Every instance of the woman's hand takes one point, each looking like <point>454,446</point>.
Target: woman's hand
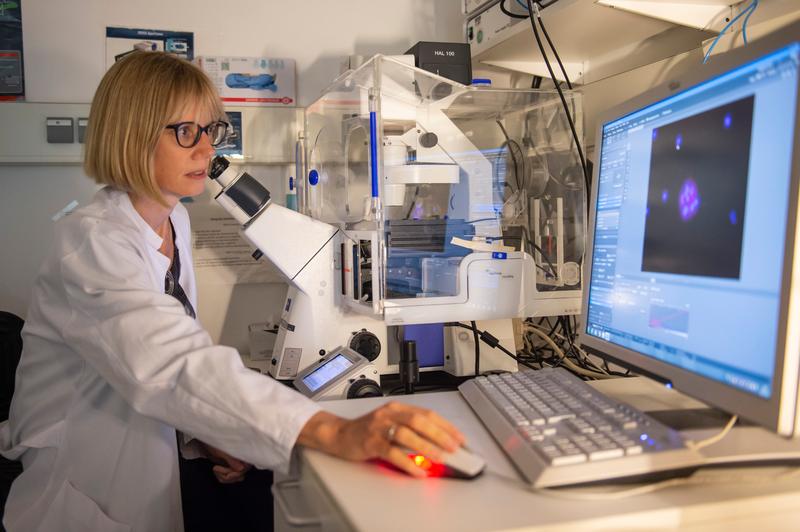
<point>388,432</point>
<point>228,469</point>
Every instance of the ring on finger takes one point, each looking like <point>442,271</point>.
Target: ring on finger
<point>391,431</point>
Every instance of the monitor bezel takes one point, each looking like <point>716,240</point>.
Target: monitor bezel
<point>779,412</point>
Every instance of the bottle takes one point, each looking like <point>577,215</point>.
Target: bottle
<point>291,195</point>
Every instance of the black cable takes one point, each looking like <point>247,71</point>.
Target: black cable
<point>413,202</point>
<point>563,99</point>
<point>491,341</point>
<point>477,348</point>
<point>555,53</point>
<point>511,144</point>
<point>546,259</point>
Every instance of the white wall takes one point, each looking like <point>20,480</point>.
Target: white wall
<point>64,48</point>
<point>64,41</point>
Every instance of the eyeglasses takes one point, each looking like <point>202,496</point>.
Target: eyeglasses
<point>188,133</point>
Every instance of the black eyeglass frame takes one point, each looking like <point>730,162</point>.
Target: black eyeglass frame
<point>200,131</point>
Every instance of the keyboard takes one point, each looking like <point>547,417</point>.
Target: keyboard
<point>558,430</point>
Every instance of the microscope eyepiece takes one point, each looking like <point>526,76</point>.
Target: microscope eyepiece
<point>218,165</point>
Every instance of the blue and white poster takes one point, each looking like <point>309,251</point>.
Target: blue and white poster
<point>232,147</point>
<point>123,41</point>
<point>12,81</point>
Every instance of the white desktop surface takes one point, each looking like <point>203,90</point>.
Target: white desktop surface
<point>374,497</point>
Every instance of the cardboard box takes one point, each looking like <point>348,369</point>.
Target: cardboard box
<point>252,81</point>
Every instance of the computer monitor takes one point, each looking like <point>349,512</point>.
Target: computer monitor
<point>693,275</point>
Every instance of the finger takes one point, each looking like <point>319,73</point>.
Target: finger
<point>400,459</point>
<point>227,476</point>
<point>235,464</point>
<point>405,437</point>
<point>433,427</point>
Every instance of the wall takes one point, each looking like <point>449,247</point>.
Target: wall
<point>64,47</point>
<point>65,41</point>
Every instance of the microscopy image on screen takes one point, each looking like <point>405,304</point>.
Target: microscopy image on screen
<point>696,193</point>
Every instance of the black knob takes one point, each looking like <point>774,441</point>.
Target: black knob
<point>364,388</point>
<point>366,344</point>
<point>428,140</point>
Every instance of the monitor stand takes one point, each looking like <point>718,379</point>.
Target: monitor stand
<point>745,444</point>
<point>682,419</point>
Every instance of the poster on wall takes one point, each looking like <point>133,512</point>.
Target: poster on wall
<point>123,41</point>
<point>232,147</point>
<point>12,80</point>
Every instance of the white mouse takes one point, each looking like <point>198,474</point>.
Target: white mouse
<point>462,463</point>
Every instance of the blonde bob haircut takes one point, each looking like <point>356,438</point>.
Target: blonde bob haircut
<point>137,98</point>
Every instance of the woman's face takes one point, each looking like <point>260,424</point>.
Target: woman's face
<point>181,172</point>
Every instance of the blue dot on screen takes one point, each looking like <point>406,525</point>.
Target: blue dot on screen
<point>727,121</point>
<point>732,217</point>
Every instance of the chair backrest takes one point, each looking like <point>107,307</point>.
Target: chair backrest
<point>10,351</point>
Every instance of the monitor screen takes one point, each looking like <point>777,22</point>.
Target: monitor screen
<point>691,204</point>
<point>326,372</point>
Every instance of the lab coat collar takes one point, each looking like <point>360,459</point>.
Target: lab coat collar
<point>124,201</point>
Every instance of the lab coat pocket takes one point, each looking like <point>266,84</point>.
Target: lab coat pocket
<point>72,511</point>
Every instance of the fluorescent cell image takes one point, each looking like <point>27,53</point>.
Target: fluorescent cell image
<point>704,167</point>
<point>689,200</point>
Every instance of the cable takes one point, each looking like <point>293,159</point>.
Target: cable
<point>747,11</point>
<point>713,439</point>
<point>491,341</point>
<point>511,144</point>
<point>578,146</point>
<point>567,362</point>
<point>477,348</point>
<point>744,22</point>
<point>585,360</point>
<point>550,43</point>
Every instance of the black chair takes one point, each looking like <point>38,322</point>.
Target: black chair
<point>10,351</point>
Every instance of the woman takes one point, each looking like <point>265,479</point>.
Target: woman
<point>114,360</point>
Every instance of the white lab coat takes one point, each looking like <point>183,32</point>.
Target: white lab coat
<point>110,365</point>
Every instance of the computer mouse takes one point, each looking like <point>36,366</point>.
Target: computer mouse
<point>461,463</point>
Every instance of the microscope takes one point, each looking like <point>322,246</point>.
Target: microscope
<point>421,201</point>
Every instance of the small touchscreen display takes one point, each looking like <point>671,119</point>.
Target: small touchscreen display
<point>326,372</point>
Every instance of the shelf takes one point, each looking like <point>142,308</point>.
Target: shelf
<point>593,40</point>
<point>597,39</point>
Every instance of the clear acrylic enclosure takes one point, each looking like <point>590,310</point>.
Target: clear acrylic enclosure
<point>421,172</point>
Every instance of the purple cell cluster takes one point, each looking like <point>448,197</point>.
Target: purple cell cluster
<point>689,200</point>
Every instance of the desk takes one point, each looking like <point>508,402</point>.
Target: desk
<point>368,497</point>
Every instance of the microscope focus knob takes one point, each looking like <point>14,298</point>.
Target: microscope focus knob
<point>366,344</point>
<point>364,388</point>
